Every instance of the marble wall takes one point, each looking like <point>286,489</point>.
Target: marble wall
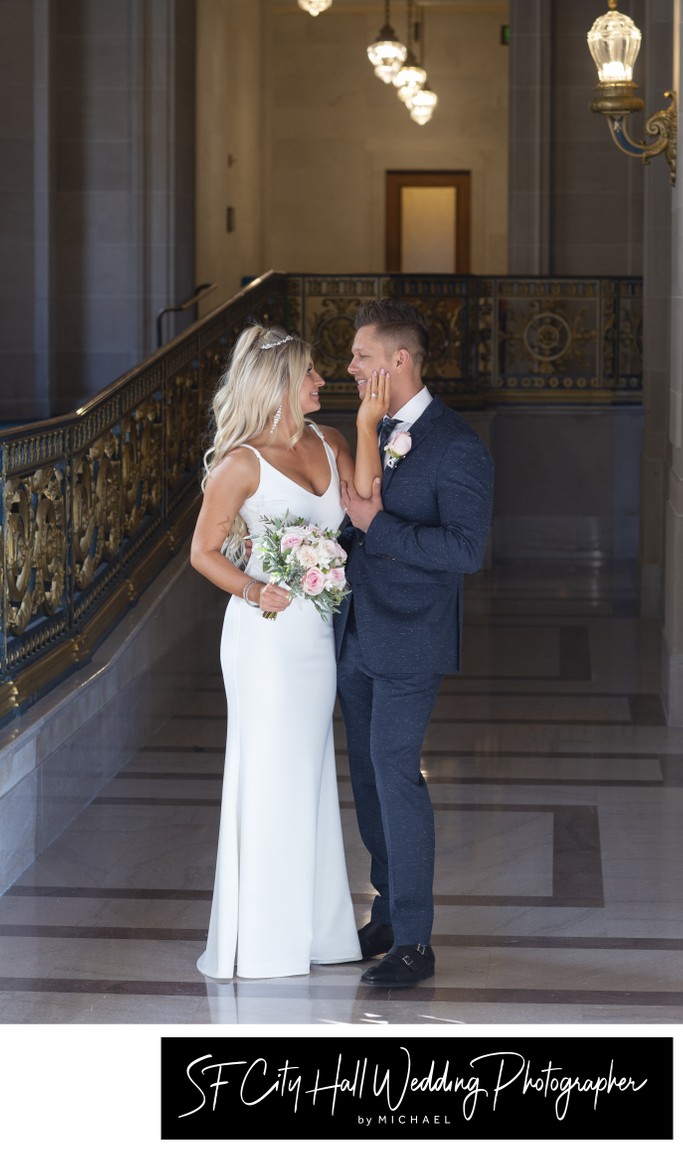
<point>57,757</point>
<point>232,151</point>
<point>566,484</point>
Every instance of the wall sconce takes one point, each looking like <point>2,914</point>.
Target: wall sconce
<point>614,43</point>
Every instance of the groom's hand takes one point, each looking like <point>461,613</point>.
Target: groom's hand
<point>361,511</point>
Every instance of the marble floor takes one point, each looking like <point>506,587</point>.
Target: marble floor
<point>558,792</point>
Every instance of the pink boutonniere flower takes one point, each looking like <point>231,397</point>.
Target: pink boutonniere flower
<point>398,446</point>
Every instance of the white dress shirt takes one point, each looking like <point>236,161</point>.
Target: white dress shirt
<point>410,412</point>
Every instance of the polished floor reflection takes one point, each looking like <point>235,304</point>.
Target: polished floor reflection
<point>558,792</point>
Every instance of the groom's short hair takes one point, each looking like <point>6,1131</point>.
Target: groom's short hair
<point>400,322</point>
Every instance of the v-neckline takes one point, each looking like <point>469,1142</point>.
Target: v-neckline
<point>300,485</point>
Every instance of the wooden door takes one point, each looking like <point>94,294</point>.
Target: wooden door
<point>428,222</point>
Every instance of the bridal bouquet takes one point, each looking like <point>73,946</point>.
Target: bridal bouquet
<point>307,560</point>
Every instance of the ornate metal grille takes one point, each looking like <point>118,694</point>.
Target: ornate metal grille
<point>494,340</point>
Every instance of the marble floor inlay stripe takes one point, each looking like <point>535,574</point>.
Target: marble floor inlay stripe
<point>23,891</point>
<point>479,942</point>
<point>138,933</point>
<point>421,995</point>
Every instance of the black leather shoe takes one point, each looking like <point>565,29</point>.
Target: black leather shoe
<point>402,966</point>
<point>375,938</point>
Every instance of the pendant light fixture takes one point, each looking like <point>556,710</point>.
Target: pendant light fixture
<point>411,76</point>
<point>422,103</point>
<point>386,53</point>
<point>315,7</point>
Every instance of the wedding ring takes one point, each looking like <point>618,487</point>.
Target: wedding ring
<point>374,394</point>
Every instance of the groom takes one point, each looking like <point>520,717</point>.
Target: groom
<point>424,527</point>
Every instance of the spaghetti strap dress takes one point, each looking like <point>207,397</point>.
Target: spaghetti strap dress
<point>281,899</point>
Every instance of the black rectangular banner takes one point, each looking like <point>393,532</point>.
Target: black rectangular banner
<point>614,1089</point>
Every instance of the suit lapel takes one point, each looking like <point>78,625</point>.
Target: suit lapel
<point>418,431</point>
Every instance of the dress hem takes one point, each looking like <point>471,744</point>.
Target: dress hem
<point>282,973</point>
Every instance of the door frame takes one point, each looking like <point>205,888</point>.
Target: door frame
<point>460,180</point>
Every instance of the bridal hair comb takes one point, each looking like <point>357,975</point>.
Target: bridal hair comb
<point>276,342</point>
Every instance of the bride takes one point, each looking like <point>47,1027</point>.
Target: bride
<point>281,899</point>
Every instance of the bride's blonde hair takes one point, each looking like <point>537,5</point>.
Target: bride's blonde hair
<point>266,370</point>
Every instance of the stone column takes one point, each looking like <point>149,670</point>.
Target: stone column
<point>24,205</point>
<point>672,646</point>
<point>530,145</point>
<point>122,200</point>
<point>658,65</point>
<point>97,129</point>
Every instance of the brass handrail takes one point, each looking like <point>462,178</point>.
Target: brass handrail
<point>95,502</point>
<point>200,293</point>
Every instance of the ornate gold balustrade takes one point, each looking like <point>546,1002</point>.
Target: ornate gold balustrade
<point>95,502</point>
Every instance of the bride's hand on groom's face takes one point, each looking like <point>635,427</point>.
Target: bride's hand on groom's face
<point>361,511</point>
<point>375,402</point>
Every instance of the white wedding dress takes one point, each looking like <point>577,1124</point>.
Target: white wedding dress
<point>281,897</point>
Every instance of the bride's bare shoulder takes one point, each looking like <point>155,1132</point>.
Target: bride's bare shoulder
<point>240,464</point>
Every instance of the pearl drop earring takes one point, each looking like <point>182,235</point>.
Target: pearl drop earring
<point>276,420</point>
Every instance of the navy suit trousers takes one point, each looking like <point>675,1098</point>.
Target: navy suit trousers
<point>386,717</point>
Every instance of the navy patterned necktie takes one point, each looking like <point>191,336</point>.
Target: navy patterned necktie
<point>385,428</point>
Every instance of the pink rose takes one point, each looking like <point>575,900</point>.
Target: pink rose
<point>313,581</point>
<point>290,540</point>
<point>336,577</point>
<point>400,443</point>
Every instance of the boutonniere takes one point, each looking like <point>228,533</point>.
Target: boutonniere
<point>398,446</point>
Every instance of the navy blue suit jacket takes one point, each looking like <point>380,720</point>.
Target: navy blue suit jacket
<point>406,572</point>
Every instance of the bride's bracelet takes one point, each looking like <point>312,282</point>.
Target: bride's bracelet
<point>245,592</point>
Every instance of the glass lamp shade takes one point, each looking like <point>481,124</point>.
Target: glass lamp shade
<point>410,78</point>
<point>386,72</point>
<point>614,43</point>
<point>315,7</point>
<point>387,54</point>
<point>422,105</point>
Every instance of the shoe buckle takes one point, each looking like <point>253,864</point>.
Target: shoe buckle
<point>407,959</point>
<point>421,948</point>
